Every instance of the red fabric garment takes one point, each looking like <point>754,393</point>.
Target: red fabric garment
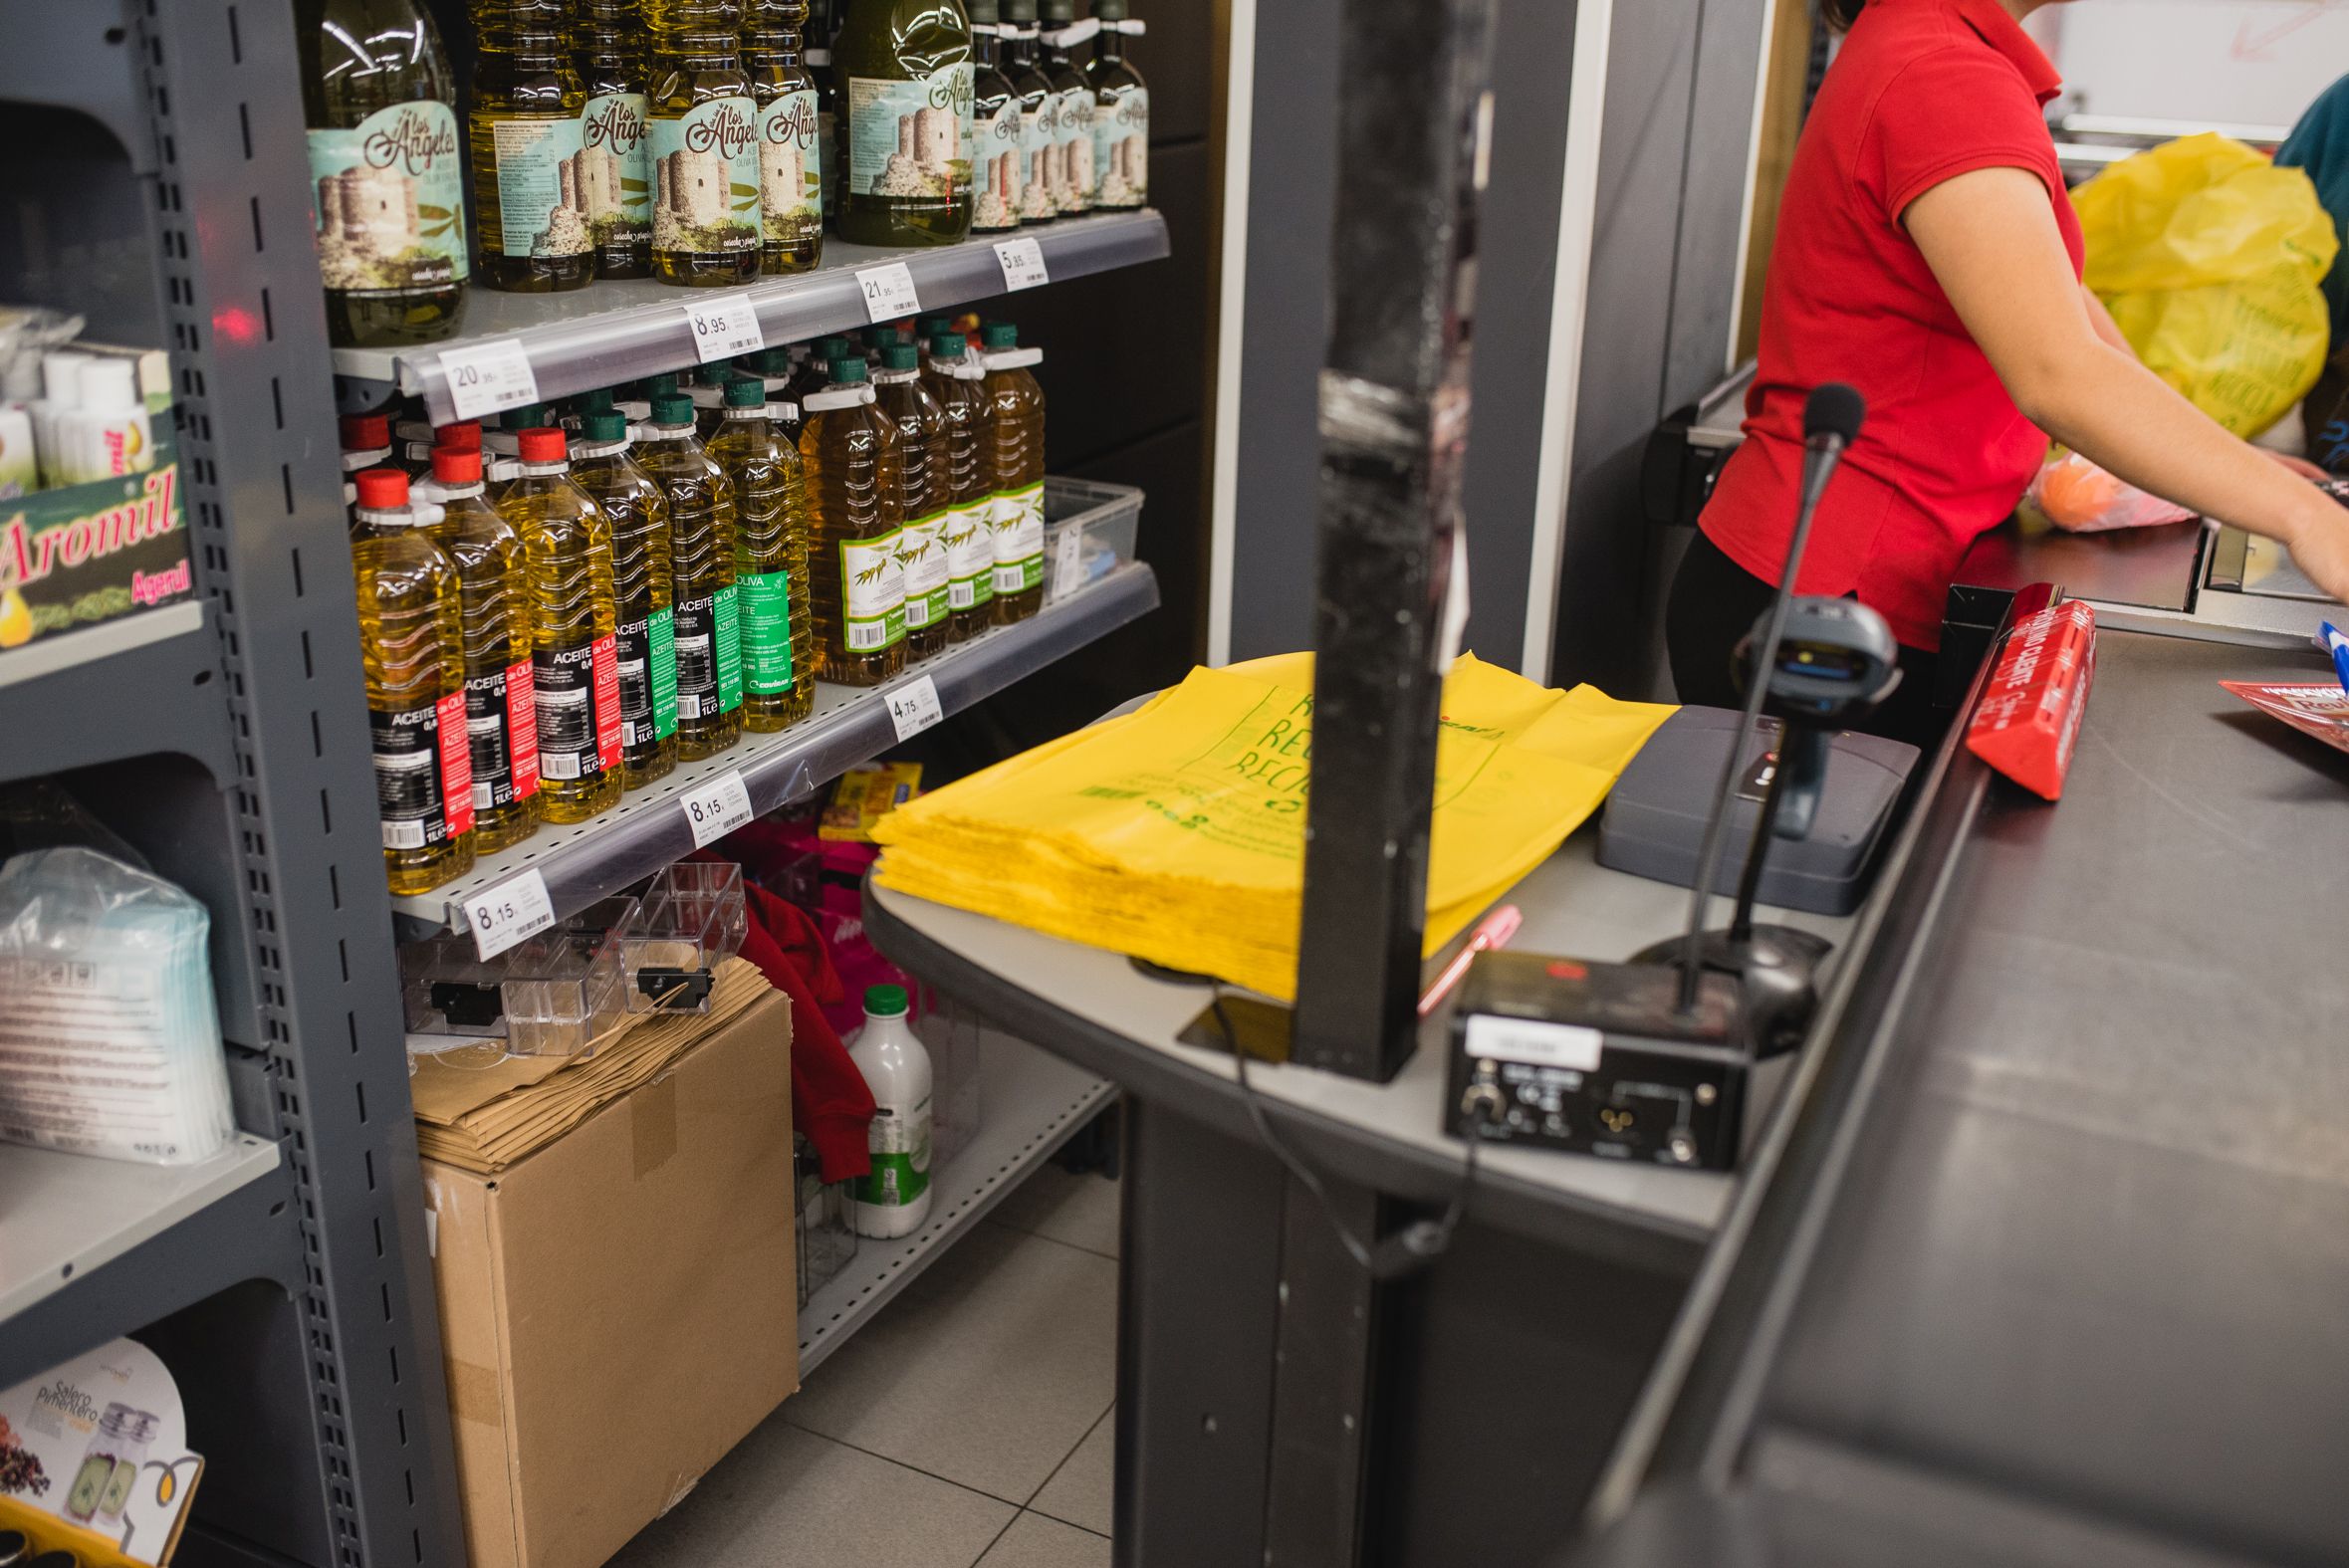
<point>1922,91</point>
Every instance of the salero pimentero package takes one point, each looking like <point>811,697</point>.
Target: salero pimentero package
<point>77,555</point>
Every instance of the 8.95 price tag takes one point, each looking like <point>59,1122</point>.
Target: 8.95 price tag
<point>516,909</point>
<point>725,326</point>
<point>489,378</point>
<point>914,707</point>
<point>716,807</point>
<point>888,292</point>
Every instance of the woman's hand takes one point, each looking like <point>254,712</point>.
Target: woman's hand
<point>2320,547</point>
<point>2294,465</point>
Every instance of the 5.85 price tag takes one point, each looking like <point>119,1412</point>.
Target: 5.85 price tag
<point>725,326</point>
<point>516,909</point>
<point>914,707</point>
<point>1022,263</point>
<point>489,378</point>
<point>888,292</point>
<point>716,807</point>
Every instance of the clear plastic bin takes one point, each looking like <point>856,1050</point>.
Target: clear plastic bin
<point>445,990</point>
<point>1104,520</point>
<point>827,1239</point>
<point>567,987</point>
<point>692,919</point>
<point>950,1033</point>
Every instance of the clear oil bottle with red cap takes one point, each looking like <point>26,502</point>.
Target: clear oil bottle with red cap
<point>411,646</point>
<point>493,592</point>
<point>575,658</point>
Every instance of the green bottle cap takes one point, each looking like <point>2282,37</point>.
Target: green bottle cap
<point>885,1001</point>
<point>826,350</point>
<point>948,346</point>
<point>931,323</point>
<point>1000,334</point>
<point>983,13</point>
<point>770,361</point>
<point>672,408</point>
<point>660,385</point>
<point>597,402</point>
<point>1057,10</point>
<point>902,356</point>
<point>850,367</point>
<point>535,417</point>
<point>1110,10</point>
<point>746,391</point>
<point>605,424</point>
<point>1019,10</point>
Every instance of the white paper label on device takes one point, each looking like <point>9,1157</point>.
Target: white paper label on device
<point>725,326</point>
<point>1069,563</point>
<point>914,707</point>
<point>716,807</point>
<point>514,909</point>
<point>1022,263</point>
<point>489,378</point>
<point>888,292</point>
<point>1530,1041</point>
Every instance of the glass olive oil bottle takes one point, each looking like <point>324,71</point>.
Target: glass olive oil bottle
<point>705,146</point>
<point>770,558</point>
<point>493,596</point>
<point>575,658</point>
<point>645,637</point>
<point>905,73</point>
<point>855,508</point>
<point>1040,112</point>
<point>1121,115</point>
<point>1072,150</point>
<point>998,131</point>
<point>1013,440</point>
<point>823,25</point>
<point>925,492</point>
<point>955,379</point>
<point>607,44</point>
<point>387,180</point>
<point>529,170</point>
<point>701,564</point>
<point>790,175</point>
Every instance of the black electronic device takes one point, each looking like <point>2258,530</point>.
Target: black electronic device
<point>1600,1059</point>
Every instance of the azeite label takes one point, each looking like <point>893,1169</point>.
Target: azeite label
<point>1001,157</point>
<point>766,630</point>
<point>423,776</point>
<point>617,170</point>
<point>791,169</point>
<point>1121,148</point>
<point>577,692</point>
<point>970,556</point>
<point>1019,539</point>
<point>500,722</point>
<point>647,656</point>
<point>906,138</point>
<point>921,556</point>
<point>709,657</point>
<point>705,177</point>
<point>542,203</point>
<point>1072,155</point>
<point>389,197</point>
<point>873,593</point>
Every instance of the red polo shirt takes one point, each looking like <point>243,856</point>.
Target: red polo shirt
<point>1922,91</point>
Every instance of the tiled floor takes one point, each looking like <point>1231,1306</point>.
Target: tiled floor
<point>967,1425</point>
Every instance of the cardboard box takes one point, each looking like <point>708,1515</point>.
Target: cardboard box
<point>616,1309</point>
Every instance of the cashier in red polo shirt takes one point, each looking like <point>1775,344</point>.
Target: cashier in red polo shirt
<point>1926,252</point>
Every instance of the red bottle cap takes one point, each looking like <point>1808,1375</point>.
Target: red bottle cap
<point>543,446</point>
<point>453,466</point>
<point>382,489</point>
<point>365,432</point>
<point>464,436</point>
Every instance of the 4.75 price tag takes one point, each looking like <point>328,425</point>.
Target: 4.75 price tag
<point>914,707</point>
<point>513,910</point>
<point>716,807</point>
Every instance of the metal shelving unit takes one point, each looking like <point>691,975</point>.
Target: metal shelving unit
<point>612,332</point>
<point>157,674</point>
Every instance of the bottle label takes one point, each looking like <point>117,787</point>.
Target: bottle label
<point>542,188</point>
<point>921,553</point>
<point>791,174</point>
<point>1072,170</point>
<point>616,136</point>
<point>1121,148</point>
<point>647,651</point>
<point>766,630</point>
<point>1019,539</point>
<point>424,778</point>
<point>899,1142</point>
<point>705,178</point>
<point>502,725</point>
<point>709,657</point>
<point>970,556</point>
<point>1001,157</point>
<point>1039,132</point>
<point>906,138</point>
<point>388,196</point>
<point>827,133</point>
<point>579,709</point>
<point>873,593</point>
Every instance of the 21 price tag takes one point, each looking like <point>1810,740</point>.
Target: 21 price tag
<point>489,378</point>
<point>1022,262</point>
<point>716,807</point>
<point>888,292</point>
<point>914,707</point>
<point>725,326</point>
<point>516,909</point>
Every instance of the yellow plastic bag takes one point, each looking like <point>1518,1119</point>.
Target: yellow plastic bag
<point>2208,257</point>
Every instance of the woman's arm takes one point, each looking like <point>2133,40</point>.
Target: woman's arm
<point>1992,241</point>
<point>2107,330</point>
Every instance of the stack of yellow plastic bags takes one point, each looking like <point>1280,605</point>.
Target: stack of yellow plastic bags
<point>1176,833</point>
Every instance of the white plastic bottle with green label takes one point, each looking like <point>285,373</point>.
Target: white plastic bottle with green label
<point>894,1199</point>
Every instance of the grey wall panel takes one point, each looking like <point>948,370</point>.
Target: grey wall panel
<point>1705,279</point>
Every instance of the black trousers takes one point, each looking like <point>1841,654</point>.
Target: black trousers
<point>1715,604</point>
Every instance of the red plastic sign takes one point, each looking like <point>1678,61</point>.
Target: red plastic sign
<point>2030,716</point>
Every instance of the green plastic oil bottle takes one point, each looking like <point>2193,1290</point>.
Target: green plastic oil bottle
<point>926,497</point>
<point>529,169</point>
<point>1121,113</point>
<point>790,175</point>
<point>701,561</point>
<point>955,378</point>
<point>412,646</point>
<point>855,511</point>
<point>574,657</point>
<point>705,146</point>
<point>1040,110</point>
<point>1013,441</point>
<point>998,131</point>
<point>904,67</point>
<point>769,559</point>
<point>1072,150</point>
<point>493,596</point>
<point>607,46</point>
<point>645,637</point>
<point>387,171</point>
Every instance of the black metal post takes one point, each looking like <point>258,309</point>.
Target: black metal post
<point>1415,120</point>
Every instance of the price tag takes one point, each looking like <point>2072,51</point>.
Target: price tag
<point>725,326</point>
<point>888,292</point>
<point>716,807</point>
<point>513,910</point>
<point>489,378</point>
<point>914,707</point>
<point>1069,563</point>
<point>1022,263</point>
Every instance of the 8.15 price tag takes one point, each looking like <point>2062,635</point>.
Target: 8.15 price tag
<point>888,292</point>
<point>716,807</point>
<point>725,326</point>
<point>489,378</point>
<point>516,909</point>
<point>914,707</point>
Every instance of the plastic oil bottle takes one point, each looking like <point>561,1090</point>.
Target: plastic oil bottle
<point>574,657</point>
<point>374,76</point>
<point>894,1199</point>
<point>1013,441</point>
<point>523,125</point>
<point>645,637</point>
<point>1040,110</point>
<point>854,510</point>
<point>791,174</point>
<point>1073,152</point>
<point>607,44</point>
<point>998,129</point>
<point>926,493</point>
<point>955,379</point>
<point>705,146</point>
<point>1121,112</point>
<point>493,592</point>
<point>701,564</point>
<point>412,646</point>
<point>770,558</point>
<point>904,67</point>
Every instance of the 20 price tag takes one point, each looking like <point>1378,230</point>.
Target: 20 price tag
<point>1069,563</point>
<point>514,909</point>
<point>914,707</point>
<point>888,292</point>
<point>489,378</point>
<point>716,807</point>
<point>1022,262</point>
<point>725,326</point>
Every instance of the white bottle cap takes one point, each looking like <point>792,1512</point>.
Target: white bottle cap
<point>21,382</point>
<point>61,378</point>
<point>110,386</point>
